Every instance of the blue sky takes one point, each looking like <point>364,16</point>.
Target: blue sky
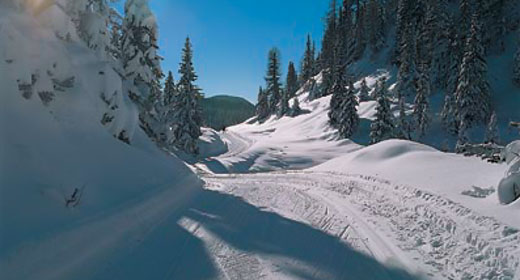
<point>231,38</point>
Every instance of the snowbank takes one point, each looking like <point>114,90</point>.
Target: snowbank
<point>509,187</point>
<point>55,148</point>
<point>418,165</point>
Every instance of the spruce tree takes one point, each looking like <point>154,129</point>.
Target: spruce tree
<point>407,76</point>
<point>262,107</point>
<point>516,65</point>
<point>338,92</point>
<point>382,127</point>
<point>328,44</point>
<point>364,91</point>
<point>291,82</point>
<point>348,118</point>
<point>307,68</point>
<point>492,134</point>
<point>345,27</point>
<point>168,113</point>
<point>273,86</point>
<point>421,104</point>
<point>360,36</point>
<point>403,127</point>
<point>473,91</point>
<point>284,103</point>
<point>448,114</point>
<point>187,119</point>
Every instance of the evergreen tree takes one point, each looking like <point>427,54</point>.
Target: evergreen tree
<point>262,107</point>
<point>328,45</point>
<point>402,22</point>
<point>407,76</point>
<point>364,91</point>
<point>375,25</point>
<point>187,119</point>
<point>359,32</point>
<point>492,134</point>
<point>403,127</point>
<point>473,91</point>
<point>516,65</point>
<point>448,114</point>
<point>348,118</point>
<point>345,39</point>
<point>141,63</point>
<point>382,127</point>
<point>462,138</point>
<point>284,103</point>
<point>291,83</point>
<point>307,69</point>
<point>273,86</point>
<point>422,104</point>
<point>167,115</point>
<point>338,92</point>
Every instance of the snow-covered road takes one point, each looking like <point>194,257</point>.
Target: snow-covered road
<point>364,227</point>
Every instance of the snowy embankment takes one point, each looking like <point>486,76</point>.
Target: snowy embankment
<point>72,195</point>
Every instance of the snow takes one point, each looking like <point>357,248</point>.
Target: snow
<point>509,187</point>
<point>49,151</point>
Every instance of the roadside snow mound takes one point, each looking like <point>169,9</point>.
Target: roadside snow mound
<point>418,165</point>
<point>509,187</point>
<point>64,177</point>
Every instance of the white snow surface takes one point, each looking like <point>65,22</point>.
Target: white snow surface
<point>49,151</point>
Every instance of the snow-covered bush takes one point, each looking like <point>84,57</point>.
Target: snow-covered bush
<point>509,187</point>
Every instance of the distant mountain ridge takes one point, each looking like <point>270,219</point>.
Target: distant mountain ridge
<point>223,110</point>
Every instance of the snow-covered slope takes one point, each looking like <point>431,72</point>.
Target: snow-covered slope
<point>71,193</point>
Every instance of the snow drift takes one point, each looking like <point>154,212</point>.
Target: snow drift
<point>509,187</point>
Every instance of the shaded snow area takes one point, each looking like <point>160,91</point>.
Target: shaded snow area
<point>73,198</point>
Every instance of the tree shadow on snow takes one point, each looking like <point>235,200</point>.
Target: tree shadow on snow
<point>304,251</point>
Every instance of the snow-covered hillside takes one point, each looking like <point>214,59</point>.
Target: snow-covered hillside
<point>72,194</point>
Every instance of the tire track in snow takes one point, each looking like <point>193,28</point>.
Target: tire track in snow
<point>420,230</point>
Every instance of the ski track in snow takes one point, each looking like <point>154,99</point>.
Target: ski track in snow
<point>400,225</point>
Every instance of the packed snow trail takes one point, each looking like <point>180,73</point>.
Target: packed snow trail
<point>399,225</point>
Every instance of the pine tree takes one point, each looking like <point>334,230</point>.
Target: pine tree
<point>348,118</point>
<point>167,115</point>
<point>291,83</point>
<point>462,138</point>
<point>364,91</point>
<point>284,103</point>
<point>338,92</point>
<point>328,44</point>
<point>473,91</point>
<point>407,76</point>
<point>345,27</point>
<point>421,104</point>
<point>273,86</point>
<point>516,65</point>
<point>448,114</point>
<point>382,127</point>
<point>307,68</point>
<point>492,134</point>
<point>403,127</point>
<point>187,119</point>
<point>402,22</point>
<point>360,38</point>
<point>141,63</point>
<point>262,107</point>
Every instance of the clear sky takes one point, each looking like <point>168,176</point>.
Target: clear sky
<point>231,38</point>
